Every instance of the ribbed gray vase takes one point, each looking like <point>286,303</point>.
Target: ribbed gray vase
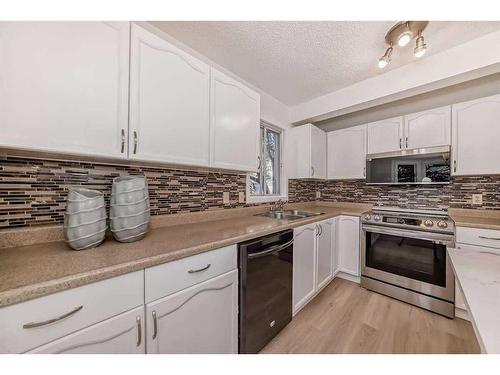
<point>129,208</point>
<point>85,218</point>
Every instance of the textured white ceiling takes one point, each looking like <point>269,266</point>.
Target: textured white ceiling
<point>299,61</point>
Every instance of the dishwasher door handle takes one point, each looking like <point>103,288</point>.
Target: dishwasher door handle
<point>272,249</point>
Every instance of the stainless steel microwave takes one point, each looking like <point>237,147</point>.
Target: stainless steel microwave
<point>411,167</point>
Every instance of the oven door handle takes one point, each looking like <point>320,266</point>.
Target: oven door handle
<point>428,236</point>
<point>272,249</point>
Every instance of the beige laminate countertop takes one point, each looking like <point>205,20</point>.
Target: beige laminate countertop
<point>483,219</point>
<point>31,271</point>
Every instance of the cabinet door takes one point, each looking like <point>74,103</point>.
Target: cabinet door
<point>122,334</point>
<point>298,152</point>
<point>318,152</point>
<point>385,135</point>
<point>64,87</point>
<point>169,102</point>
<point>348,244</point>
<point>428,128</point>
<point>196,320</point>
<point>235,124</point>
<point>475,137</point>
<point>347,153</point>
<point>325,258</point>
<point>304,265</point>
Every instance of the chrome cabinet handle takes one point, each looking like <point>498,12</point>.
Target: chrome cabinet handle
<point>364,171</point>
<point>200,269</point>
<point>400,143</point>
<point>454,165</point>
<point>155,325</point>
<point>490,238</point>
<point>317,230</point>
<point>50,321</point>
<point>406,142</point>
<point>321,230</point>
<point>123,141</point>
<point>135,142</point>
<point>312,169</point>
<point>260,163</point>
<point>139,330</point>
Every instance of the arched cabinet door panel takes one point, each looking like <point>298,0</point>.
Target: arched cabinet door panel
<point>347,244</point>
<point>325,261</point>
<point>428,128</point>
<point>385,135</point>
<point>476,137</point>
<point>304,265</point>
<point>64,87</point>
<point>202,319</point>
<point>169,102</point>
<point>235,124</point>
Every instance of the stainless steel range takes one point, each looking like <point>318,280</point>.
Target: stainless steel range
<point>403,255</point>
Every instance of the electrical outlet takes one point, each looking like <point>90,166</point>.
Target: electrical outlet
<point>241,197</point>
<point>225,197</point>
<point>477,199</point>
<point>318,194</point>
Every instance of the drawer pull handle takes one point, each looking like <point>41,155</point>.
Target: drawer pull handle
<point>200,269</point>
<point>490,238</point>
<point>123,141</point>
<point>155,324</point>
<point>50,321</point>
<point>139,330</point>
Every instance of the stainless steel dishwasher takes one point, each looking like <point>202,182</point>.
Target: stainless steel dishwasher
<point>265,289</point>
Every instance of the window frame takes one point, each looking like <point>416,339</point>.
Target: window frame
<point>283,181</point>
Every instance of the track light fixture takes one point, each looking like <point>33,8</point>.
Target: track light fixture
<point>401,34</point>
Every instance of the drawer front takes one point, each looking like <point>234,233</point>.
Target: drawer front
<point>479,237</point>
<point>171,277</point>
<point>33,323</point>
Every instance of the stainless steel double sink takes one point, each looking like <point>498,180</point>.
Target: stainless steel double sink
<point>289,214</point>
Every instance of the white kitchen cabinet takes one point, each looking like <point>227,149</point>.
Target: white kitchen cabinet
<point>325,264</point>
<point>169,102</point>
<point>385,136</point>
<point>307,152</point>
<point>235,124</point>
<point>122,334</point>
<point>347,245</point>
<point>476,137</point>
<point>304,265</point>
<point>428,128</point>
<point>200,319</point>
<point>347,153</point>
<point>64,87</point>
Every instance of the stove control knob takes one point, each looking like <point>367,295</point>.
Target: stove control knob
<point>377,218</point>
<point>428,223</point>
<point>368,217</point>
<point>442,224</point>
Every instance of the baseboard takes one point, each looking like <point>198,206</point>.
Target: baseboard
<point>348,277</point>
<point>462,314</point>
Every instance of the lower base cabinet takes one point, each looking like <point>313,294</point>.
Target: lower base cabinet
<point>197,320</point>
<point>347,245</point>
<point>122,334</point>
<point>313,260</point>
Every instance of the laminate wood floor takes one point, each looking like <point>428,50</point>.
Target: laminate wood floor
<point>345,318</point>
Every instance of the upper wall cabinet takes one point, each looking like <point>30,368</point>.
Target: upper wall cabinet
<point>64,87</point>
<point>169,102</point>
<point>307,152</point>
<point>428,128</point>
<point>385,135</point>
<point>347,153</point>
<point>476,136</point>
<point>235,124</point>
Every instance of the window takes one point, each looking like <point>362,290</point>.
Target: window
<point>267,182</point>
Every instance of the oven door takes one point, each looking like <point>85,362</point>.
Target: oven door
<point>410,259</point>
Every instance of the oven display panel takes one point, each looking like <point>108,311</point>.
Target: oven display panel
<point>400,220</point>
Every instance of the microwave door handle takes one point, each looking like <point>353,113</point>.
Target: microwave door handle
<point>272,249</point>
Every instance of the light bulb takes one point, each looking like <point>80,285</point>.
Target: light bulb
<point>382,62</point>
<point>404,39</point>
<point>420,46</point>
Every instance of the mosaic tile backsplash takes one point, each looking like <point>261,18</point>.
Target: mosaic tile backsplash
<point>33,191</point>
<point>458,194</point>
